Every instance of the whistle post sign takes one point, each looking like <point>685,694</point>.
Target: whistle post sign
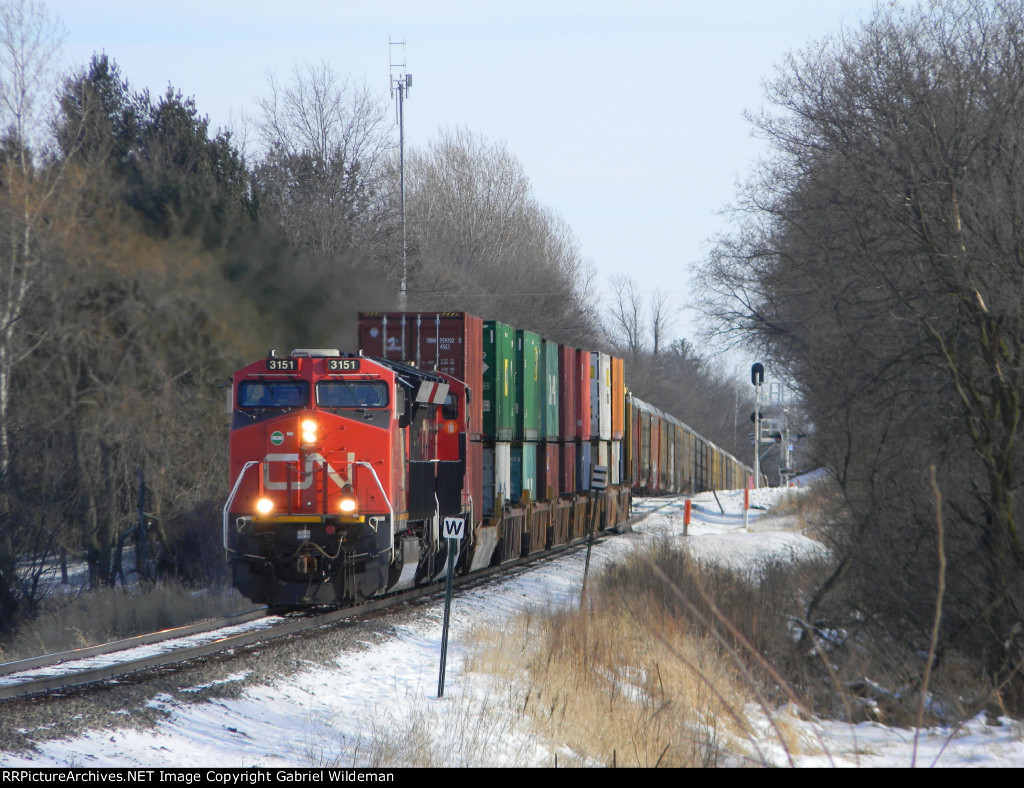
<point>453,528</point>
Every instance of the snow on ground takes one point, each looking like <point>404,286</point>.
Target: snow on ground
<point>334,714</point>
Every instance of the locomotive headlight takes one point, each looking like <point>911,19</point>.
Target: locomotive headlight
<point>264,506</point>
<point>309,428</point>
<point>348,502</point>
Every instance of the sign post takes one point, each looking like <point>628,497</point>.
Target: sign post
<point>454,530</point>
<point>598,484</point>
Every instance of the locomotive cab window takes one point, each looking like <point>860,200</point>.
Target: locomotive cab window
<point>450,409</point>
<point>273,394</point>
<point>352,394</point>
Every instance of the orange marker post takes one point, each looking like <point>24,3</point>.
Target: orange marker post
<point>686,517</point>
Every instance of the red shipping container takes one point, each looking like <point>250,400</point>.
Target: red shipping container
<point>583,395</point>
<point>567,468</point>
<point>568,385</point>
<point>548,484</point>
<point>450,342</point>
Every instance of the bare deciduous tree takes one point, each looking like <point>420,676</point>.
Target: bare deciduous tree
<point>661,321</point>
<point>29,41</point>
<point>325,140</point>
<point>628,332</point>
<point>880,264</point>
<point>481,242</point>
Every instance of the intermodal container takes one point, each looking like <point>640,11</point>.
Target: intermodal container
<point>450,342</point>
<point>568,386</point>
<point>524,472</point>
<point>548,484</point>
<point>497,476</point>
<point>583,465</point>
<point>550,410</point>
<point>567,468</point>
<point>529,386</point>
<point>618,398</point>
<point>499,381</point>
<point>583,395</point>
<point>600,396</point>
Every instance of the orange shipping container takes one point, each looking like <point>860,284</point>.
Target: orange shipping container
<point>618,398</point>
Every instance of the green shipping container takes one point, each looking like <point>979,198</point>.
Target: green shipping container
<point>529,386</point>
<point>500,364</point>
<point>549,353</point>
<point>524,471</point>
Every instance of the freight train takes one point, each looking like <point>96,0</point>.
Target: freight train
<point>345,465</point>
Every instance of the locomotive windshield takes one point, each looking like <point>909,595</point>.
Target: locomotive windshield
<point>352,394</point>
<point>273,394</point>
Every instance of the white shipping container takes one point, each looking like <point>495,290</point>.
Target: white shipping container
<point>497,474</point>
<point>600,396</point>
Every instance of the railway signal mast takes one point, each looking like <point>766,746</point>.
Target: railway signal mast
<point>400,92</point>
<point>757,378</point>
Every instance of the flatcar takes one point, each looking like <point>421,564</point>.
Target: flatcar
<point>343,466</point>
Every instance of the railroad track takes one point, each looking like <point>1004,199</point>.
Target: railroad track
<point>80,667</point>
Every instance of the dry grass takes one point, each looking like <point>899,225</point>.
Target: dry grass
<point>636,679</point>
<point>602,691</point>
<point>108,614</point>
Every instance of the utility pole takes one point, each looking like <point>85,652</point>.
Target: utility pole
<point>400,92</point>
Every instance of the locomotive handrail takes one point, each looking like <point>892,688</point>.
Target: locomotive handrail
<point>391,510</point>
<point>234,492</point>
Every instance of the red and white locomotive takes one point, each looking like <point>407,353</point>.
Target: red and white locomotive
<point>342,469</point>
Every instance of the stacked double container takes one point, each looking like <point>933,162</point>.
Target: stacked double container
<point>500,406</point>
<point>529,416</point>
<point>568,389</point>
<point>607,423</point>
<point>617,473</point>
<point>529,450</point>
<point>549,450</point>
<point>574,437</point>
<point>584,422</point>
<point>548,484</point>
<point>600,414</point>
<point>618,476</point>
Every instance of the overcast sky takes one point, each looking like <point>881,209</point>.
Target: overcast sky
<point>627,116</point>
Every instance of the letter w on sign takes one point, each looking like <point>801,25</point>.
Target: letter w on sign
<point>453,528</point>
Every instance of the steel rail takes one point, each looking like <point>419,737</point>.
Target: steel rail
<point>209,625</point>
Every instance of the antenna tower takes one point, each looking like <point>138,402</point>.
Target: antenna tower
<point>400,85</point>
